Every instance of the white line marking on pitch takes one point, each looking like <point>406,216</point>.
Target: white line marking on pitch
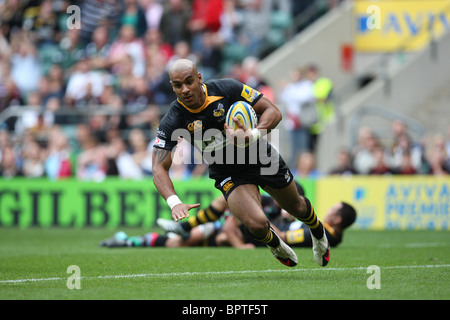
<point>177,274</point>
<point>414,245</point>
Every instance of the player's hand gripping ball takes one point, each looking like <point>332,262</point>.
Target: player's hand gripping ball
<point>245,131</point>
<point>244,113</point>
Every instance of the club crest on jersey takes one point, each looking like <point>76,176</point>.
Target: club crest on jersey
<point>195,125</point>
<point>219,112</point>
<point>249,93</point>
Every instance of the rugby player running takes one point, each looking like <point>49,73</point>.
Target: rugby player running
<point>202,106</point>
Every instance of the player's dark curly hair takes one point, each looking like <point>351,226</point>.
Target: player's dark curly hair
<point>348,214</point>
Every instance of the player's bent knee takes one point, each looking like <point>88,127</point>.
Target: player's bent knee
<point>299,209</point>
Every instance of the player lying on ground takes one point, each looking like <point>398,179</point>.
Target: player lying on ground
<point>201,108</point>
<point>233,233</point>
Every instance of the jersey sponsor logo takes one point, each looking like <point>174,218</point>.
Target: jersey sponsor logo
<point>249,94</point>
<point>225,181</point>
<point>161,133</point>
<point>227,186</point>
<point>159,143</point>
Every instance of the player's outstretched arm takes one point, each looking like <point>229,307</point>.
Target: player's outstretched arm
<point>161,163</point>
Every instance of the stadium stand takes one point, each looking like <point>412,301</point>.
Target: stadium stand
<point>61,93</point>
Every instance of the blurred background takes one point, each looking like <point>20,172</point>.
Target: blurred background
<point>364,87</point>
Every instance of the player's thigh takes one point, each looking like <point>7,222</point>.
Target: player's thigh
<point>288,199</point>
<point>245,204</point>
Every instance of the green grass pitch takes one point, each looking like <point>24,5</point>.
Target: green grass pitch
<point>34,263</point>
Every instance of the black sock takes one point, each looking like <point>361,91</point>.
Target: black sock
<point>318,232</point>
<point>271,239</point>
<point>312,222</point>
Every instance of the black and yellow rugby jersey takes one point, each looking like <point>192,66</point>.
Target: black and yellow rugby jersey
<point>204,127</point>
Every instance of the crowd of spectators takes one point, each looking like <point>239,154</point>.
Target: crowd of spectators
<point>122,49</point>
<point>101,81</point>
<point>399,154</point>
<point>100,89</point>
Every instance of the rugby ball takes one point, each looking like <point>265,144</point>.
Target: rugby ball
<point>244,113</point>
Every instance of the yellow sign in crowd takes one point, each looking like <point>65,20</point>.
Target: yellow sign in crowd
<point>399,25</point>
<point>413,202</point>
